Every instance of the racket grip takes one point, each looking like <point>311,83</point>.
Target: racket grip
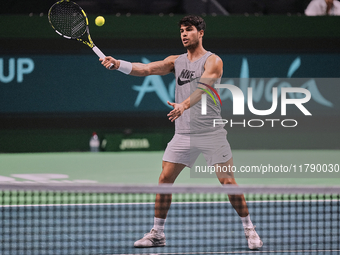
<point>100,54</point>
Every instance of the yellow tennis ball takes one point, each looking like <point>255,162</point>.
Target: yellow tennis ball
<point>100,21</point>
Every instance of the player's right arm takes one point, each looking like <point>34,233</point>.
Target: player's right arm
<point>162,67</point>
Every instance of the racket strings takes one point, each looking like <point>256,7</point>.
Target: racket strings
<point>68,19</point>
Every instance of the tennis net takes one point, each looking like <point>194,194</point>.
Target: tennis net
<point>108,219</point>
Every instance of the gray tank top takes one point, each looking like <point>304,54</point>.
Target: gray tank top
<point>187,77</point>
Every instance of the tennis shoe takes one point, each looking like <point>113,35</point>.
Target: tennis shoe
<point>151,239</point>
<point>254,241</point>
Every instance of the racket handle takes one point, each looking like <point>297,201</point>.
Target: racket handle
<point>100,54</point>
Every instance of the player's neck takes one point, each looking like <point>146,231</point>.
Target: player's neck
<point>196,53</point>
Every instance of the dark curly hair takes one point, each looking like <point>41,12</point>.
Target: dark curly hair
<point>192,20</point>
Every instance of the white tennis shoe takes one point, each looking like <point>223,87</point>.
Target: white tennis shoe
<point>254,241</point>
<point>151,239</point>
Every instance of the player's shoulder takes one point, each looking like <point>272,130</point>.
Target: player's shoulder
<point>214,61</point>
<point>171,58</point>
<point>170,61</point>
<point>214,58</point>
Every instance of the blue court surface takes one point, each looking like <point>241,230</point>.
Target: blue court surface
<point>286,227</point>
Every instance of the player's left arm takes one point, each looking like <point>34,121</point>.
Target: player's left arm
<point>213,70</point>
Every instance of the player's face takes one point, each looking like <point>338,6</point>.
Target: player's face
<point>190,36</point>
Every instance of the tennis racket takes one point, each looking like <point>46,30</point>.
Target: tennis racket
<point>70,21</point>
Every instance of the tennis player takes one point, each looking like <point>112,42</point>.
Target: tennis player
<point>193,136</point>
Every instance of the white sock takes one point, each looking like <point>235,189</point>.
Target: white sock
<point>158,224</point>
<point>246,222</point>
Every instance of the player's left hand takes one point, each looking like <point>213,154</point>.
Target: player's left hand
<point>176,112</point>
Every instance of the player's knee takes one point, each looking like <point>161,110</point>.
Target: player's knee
<point>227,181</point>
<point>163,178</point>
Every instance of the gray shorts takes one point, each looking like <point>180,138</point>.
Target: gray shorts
<point>185,148</point>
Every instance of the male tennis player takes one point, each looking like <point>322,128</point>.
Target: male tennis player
<point>192,135</point>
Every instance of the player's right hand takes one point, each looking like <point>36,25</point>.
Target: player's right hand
<point>110,63</point>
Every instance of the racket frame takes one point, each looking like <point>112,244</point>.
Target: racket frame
<point>89,43</point>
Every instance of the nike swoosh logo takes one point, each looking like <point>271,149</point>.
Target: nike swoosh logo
<point>180,82</point>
